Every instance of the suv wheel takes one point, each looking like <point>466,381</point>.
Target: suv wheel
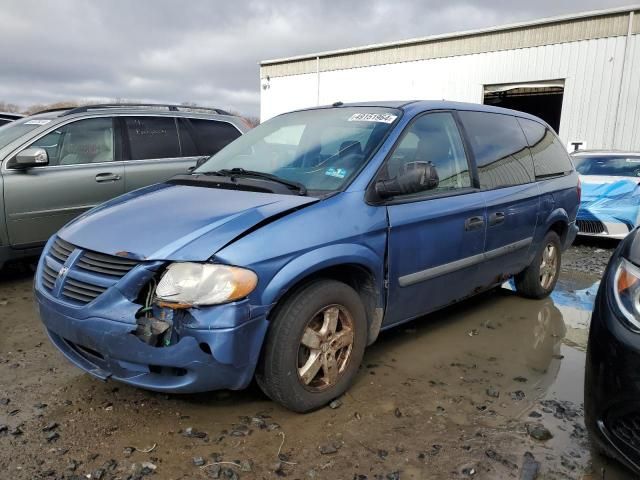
<point>314,346</point>
<point>539,279</point>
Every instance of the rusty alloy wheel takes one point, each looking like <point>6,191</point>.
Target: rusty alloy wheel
<point>325,348</point>
<point>548,266</point>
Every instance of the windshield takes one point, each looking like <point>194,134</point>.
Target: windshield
<point>14,130</point>
<point>321,149</point>
<point>615,166</point>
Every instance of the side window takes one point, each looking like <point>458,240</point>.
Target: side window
<point>500,149</point>
<point>550,158</point>
<point>84,141</point>
<point>187,144</point>
<point>211,136</point>
<point>152,137</point>
<point>434,138</point>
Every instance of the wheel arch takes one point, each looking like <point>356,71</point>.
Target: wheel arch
<point>357,266</point>
<point>557,221</point>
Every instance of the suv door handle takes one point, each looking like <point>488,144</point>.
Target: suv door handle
<point>496,218</point>
<point>107,177</point>
<point>473,223</point>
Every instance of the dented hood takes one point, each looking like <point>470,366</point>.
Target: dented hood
<point>175,222</point>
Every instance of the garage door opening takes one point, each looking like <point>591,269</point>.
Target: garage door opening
<point>542,99</point>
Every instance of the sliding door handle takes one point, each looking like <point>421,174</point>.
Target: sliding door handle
<point>496,218</point>
<point>473,223</point>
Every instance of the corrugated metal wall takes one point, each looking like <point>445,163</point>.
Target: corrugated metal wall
<point>595,109</point>
<point>534,36</point>
<point>591,70</point>
<point>628,126</point>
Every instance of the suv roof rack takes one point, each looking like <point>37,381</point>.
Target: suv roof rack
<point>49,110</point>
<point>171,108</point>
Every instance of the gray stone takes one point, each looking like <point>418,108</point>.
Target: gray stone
<point>539,432</point>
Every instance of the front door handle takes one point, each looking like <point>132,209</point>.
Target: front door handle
<point>496,218</point>
<point>473,223</point>
<point>107,177</point>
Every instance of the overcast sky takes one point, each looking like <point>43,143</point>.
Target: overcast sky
<point>207,52</point>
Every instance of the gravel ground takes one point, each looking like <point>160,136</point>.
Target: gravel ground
<point>588,256</point>
<point>488,389</point>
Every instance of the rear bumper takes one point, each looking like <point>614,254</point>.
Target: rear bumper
<point>201,360</point>
<point>571,235</point>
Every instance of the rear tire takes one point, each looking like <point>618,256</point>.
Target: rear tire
<point>539,279</point>
<point>314,346</point>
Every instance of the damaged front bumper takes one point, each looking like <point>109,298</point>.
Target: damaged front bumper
<point>217,347</point>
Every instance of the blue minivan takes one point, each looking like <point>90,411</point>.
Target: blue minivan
<point>285,254</point>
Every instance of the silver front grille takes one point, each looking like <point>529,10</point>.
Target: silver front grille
<point>591,226</point>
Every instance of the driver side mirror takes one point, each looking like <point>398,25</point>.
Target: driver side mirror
<point>415,177</point>
<point>31,157</point>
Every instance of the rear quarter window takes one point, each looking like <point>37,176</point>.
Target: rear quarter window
<point>550,158</point>
<point>211,136</point>
<point>152,137</point>
<point>500,149</point>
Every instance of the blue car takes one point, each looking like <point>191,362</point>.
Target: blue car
<point>285,254</point>
<point>610,204</point>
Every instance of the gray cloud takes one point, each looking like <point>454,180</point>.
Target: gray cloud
<point>207,52</point>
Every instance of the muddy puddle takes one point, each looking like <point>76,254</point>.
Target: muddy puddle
<point>458,394</point>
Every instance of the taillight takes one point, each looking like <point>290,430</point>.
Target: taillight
<point>579,189</point>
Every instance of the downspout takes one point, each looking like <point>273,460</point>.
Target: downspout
<point>318,81</point>
<point>622,75</point>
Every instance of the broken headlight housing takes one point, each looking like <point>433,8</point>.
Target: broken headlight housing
<point>626,289</point>
<point>188,284</point>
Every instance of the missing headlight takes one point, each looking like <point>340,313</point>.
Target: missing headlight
<point>155,325</point>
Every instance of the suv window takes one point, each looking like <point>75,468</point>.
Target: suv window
<point>500,149</point>
<point>207,136</point>
<point>152,137</point>
<point>550,158</point>
<point>608,165</point>
<point>434,138</point>
<point>84,141</point>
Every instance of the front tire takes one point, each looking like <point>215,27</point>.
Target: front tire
<point>314,346</point>
<point>539,279</point>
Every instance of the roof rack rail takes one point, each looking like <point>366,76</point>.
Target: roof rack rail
<point>49,110</point>
<point>171,108</point>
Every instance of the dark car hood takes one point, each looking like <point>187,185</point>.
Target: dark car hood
<point>175,222</point>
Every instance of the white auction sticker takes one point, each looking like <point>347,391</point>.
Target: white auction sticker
<point>373,117</point>
<point>37,122</point>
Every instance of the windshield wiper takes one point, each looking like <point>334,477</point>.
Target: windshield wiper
<point>241,172</point>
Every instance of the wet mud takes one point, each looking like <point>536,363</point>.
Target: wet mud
<point>488,389</point>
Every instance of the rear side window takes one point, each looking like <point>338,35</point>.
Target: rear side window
<point>152,137</point>
<point>550,158</point>
<point>500,149</point>
<point>211,136</point>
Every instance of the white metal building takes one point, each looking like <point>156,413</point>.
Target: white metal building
<point>579,72</point>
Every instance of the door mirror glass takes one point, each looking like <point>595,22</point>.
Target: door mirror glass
<point>414,177</point>
<point>31,157</point>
